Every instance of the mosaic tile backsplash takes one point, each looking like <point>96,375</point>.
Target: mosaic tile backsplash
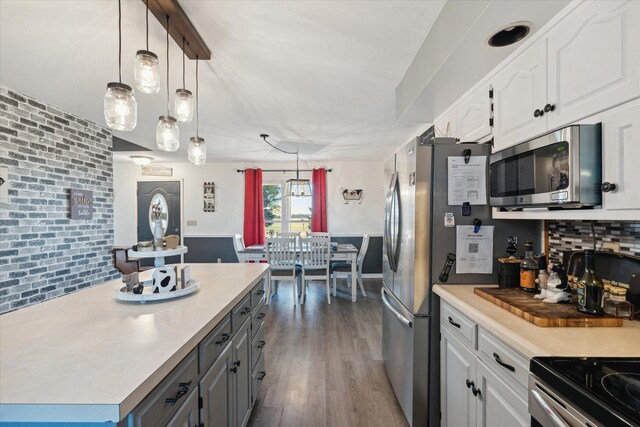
<point>576,235</point>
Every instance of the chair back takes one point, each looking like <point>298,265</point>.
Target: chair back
<point>363,250</point>
<point>238,245</point>
<point>281,253</point>
<point>319,234</point>
<point>287,234</point>
<point>315,252</point>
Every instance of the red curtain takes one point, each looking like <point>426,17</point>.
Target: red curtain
<point>253,208</point>
<point>319,200</point>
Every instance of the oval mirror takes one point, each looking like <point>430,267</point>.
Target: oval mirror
<point>159,209</point>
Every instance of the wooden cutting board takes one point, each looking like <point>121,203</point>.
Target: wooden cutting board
<point>540,313</point>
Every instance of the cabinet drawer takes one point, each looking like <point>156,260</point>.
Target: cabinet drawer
<point>258,293</point>
<point>257,347</point>
<point>213,344</point>
<point>168,396</point>
<point>502,359</point>
<point>461,325</point>
<point>256,379</point>
<point>257,318</point>
<point>240,313</point>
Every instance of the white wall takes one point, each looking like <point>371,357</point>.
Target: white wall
<point>343,219</point>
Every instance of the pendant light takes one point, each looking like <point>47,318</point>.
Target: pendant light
<point>183,101</point>
<point>167,131</point>
<point>120,106</point>
<point>197,150</point>
<point>146,70</point>
<point>297,187</point>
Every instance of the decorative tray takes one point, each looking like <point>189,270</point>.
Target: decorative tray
<point>122,295</point>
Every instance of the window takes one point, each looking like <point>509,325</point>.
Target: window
<point>285,213</point>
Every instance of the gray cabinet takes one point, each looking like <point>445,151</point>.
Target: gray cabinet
<point>216,391</point>
<point>241,369</point>
<point>187,415</point>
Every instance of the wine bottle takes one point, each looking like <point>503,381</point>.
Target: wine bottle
<point>590,287</point>
<point>528,269</point>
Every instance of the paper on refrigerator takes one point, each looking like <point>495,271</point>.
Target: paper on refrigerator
<point>467,182</point>
<point>474,251</point>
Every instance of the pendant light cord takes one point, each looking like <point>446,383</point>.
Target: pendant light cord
<point>197,98</point>
<point>183,72</point>
<point>147,19</point>
<point>120,41</point>
<point>168,66</point>
<point>264,137</point>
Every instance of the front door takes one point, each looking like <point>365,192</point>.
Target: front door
<point>166,194</point>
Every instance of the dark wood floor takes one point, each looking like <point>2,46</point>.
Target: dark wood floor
<point>324,362</point>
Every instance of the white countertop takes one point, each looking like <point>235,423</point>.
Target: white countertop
<point>531,340</point>
<point>87,357</point>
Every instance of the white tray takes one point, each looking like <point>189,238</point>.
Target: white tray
<point>160,253</point>
<point>122,295</point>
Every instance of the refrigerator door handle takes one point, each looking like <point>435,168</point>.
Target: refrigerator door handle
<point>390,239</point>
<point>400,317</point>
<point>398,208</point>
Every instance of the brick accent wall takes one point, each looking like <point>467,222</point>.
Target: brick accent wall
<point>576,235</point>
<point>43,253</point>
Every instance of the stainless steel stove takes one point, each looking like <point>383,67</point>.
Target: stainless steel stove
<point>584,391</point>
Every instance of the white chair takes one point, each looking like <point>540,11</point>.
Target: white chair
<point>288,234</point>
<point>343,269</point>
<point>281,256</point>
<point>315,257</point>
<point>319,234</point>
<point>238,245</point>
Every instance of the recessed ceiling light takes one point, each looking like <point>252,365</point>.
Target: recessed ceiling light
<point>141,160</point>
<point>510,34</point>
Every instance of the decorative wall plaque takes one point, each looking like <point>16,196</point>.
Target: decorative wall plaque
<point>209,197</point>
<point>157,170</point>
<point>352,195</point>
<point>81,202</point>
<point>4,184</point>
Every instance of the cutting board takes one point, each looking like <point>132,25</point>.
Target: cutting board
<point>540,313</point>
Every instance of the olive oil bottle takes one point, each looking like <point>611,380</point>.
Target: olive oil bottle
<point>528,269</point>
<point>590,287</point>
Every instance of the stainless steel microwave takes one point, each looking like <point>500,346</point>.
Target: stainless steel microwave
<point>562,169</point>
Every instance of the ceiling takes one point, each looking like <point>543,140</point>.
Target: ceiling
<point>321,73</point>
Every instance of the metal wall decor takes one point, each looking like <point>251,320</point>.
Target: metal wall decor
<point>209,197</point>
<point>81,202</point>
<point>352,195</point>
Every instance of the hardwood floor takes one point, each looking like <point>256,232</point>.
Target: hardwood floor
<point>324,363</point>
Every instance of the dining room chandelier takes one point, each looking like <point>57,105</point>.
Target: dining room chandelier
<point>294,187</point>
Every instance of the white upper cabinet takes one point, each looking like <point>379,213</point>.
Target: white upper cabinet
<point>519,92</point>
<point>594,60</point>
<point>473,115</point>
<point>620,155</point>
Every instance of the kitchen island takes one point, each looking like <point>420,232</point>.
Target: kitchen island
<point>88,358</point>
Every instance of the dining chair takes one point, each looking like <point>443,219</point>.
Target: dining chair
<point>281,255</point>
<point>319,234</point>
<point>343,269</point>
<point>315,256</point>
<point>238,245</point>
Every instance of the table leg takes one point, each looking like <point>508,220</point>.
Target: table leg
<point>354,283</point>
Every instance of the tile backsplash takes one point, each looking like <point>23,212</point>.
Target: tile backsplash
<point>576,235</point>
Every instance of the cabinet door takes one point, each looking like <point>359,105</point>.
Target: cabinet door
<point>473,114</point>
<point>216,390</point>
<point>187,415</point>
<point>498,405</point>
<point>594,60</point>
<point>518,91</point>
<point>620,152</point>
<point>458,365</point>
<point>242,374</point>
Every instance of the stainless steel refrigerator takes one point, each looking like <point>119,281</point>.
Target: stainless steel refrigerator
<point>415,248</point>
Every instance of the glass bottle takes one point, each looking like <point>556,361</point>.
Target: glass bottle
<point>590,287</point>
<point>528,269</point>
<point>617,304</point>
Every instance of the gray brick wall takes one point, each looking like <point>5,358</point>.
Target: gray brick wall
<point>43,253</point>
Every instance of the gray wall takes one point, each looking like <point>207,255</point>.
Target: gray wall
<point>44,254</point>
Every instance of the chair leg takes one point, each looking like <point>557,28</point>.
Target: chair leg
<point>335,286</point>
<point>268,291</point>
<point>328,292</point>
<point>364,294</point>
<point>349,280</point>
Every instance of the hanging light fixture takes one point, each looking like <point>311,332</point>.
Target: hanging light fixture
<point>141,160</point>
<point>197,150</point>
<point>294,187</point>
<point>167,130</point>
<point>120,106</point>
<point>183,101</point>
<point>146,70</point>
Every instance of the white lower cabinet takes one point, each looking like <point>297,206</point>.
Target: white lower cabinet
<point>473,394</point>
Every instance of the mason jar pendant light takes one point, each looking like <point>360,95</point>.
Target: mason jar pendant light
<point>146,70</point>
<point>120,106</point>
<point>167,130</point>
<point>183,101</point>
<point>197,150</point>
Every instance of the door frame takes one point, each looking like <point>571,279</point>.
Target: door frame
<point>182,219</point>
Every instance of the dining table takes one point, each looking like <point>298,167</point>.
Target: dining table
<point>340,252</point>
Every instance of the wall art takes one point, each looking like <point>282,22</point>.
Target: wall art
<point>352,195</point>
<point>209,197</point>
<point>81,202</point>
<point>157,170</point>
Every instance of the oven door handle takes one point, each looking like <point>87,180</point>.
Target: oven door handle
<point>554,417</point>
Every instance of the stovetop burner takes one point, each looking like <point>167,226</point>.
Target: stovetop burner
<point>604,386</point>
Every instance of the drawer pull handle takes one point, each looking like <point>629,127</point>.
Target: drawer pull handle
<point>235,366</point>
<point>549,107</point>
<point>262,375</point>
<point>260,292</point>
<point>261,316</point>
<point>184,389</point>
<point>470,384</point>
<point>457,325</point>
<point>246,310</point>
<point>262,344</point>
<point>501,363</point>
<point>476,392</point>
<point>224,339</point>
